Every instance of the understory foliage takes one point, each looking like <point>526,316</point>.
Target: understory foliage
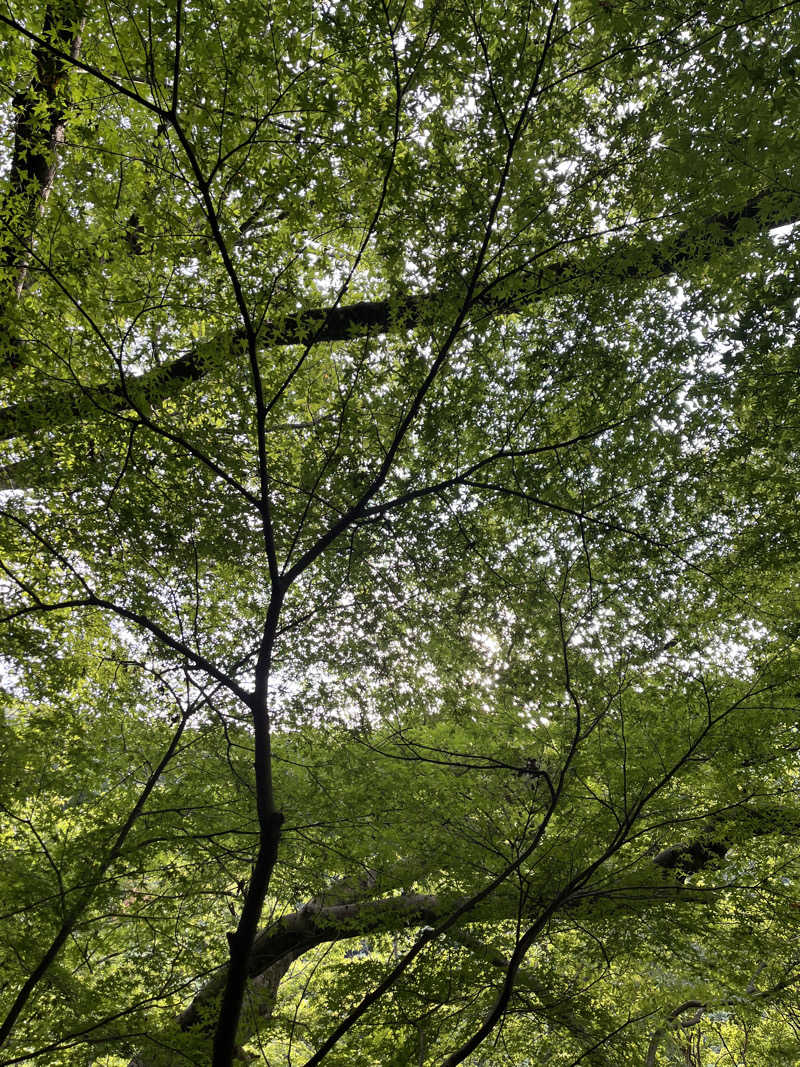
<point>398,533</point>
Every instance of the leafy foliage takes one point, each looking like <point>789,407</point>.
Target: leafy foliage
<point>397,533</point>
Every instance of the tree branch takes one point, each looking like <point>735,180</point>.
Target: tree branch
<point>641,260</point>
<point>320,922</point>
<point>554,1010</point>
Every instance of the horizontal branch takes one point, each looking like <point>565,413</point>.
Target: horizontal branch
<point>320,922</point>
<point>635,260</point>
<point>317,923</point>
<point>303,930</point>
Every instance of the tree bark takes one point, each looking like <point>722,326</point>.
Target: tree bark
<point>39,125</point>
<point>269,820</point>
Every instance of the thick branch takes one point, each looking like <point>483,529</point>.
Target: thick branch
<point>320,923</point>
<point>313,925</point>
<point>636,260</point>
<point>299,932</point>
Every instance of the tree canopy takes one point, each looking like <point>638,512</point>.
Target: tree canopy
<point>398,533</point>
